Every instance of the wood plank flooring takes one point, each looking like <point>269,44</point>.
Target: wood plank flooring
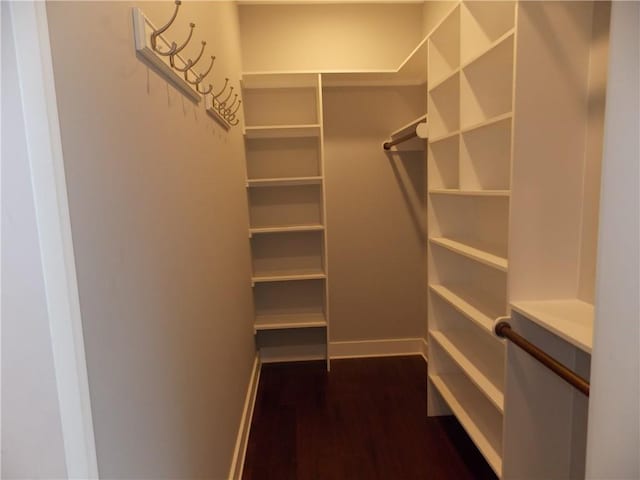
<point>366,419</point>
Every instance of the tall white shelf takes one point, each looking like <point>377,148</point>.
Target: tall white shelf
<point>286,196</point>
<point>504,209</point>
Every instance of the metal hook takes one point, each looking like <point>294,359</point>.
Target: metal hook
<point>224,102</point>
<point>180,48</point>
<point>191,64</point>
<point>204,93</point>
<point>231,114</point>
<point>225,111</point>
<point>161,30</point>
<point>226,82</point>
<point>202,75</point>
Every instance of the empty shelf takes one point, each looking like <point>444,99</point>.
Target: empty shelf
<point>481,421</point>
<point>286,228</point>
<point>283,182</point>
<point>287,276</point>
<point>470,193</point>
<point>570,319</point>
<point>477,254</point>
<point>489,49</point>
<point>483,362</point>
<point>282,131</point>
<point>290,320</point>
<point>486,123</point>
<point>474,305</point>
<point>445,136</point>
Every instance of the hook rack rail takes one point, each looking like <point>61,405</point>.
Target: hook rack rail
<point>165,58</point>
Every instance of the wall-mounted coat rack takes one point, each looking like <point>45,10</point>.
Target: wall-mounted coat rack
<point>186,75</point>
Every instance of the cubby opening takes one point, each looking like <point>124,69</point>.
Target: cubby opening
<point>486,86</point>
<point>288,253</point>
<point>443,164</point>
<point>444,49</point>
<point>481,222</point>
<point>480,356</point>
<point>476,290</point>
<point>444,108</point>
<point>485,157</point>
<point>282,157</point>
<point>479,417</point>
<point>482,24</point>
<point>292,344</point>
<point>285,206</point>
<point>289,304</point>
<point>280,106</point>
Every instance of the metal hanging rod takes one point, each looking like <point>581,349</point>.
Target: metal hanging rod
<point>504,330</point>
<point>418,130</point>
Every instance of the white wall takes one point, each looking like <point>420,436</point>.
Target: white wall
<point>328,37</point>
<point>375,215</point>
<point>613,439</point>
<point>159,222</point>
<point>32,443</point>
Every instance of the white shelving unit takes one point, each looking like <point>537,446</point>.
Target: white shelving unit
<point>285,188</point>
<point>469,157</point>
<point>506,198</point>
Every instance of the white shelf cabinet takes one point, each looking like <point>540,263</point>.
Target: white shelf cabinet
<point>285,189</point>
<point>507,233</point>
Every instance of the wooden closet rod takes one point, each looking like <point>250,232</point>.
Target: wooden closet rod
<point>408,136</point>
<point>504,330</point>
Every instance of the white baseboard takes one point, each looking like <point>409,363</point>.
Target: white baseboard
<point>240,450</point>
<point>377,348</point>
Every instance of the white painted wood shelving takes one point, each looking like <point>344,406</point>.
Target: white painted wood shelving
<point>285,188</point>
<point>504,207</point>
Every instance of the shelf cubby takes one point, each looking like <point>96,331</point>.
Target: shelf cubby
<point>475,305</point>
<point>443,160</point>
<point>444,108</point>
<point>480,359</point>
<point>475,413</point>
<point>285,206</point>
<point>286,254</point>
<point>282,157</point>
<point>482,24</point>
<point>444,48</point>
<point>483,254</point>
<point>280,106</point>
<point>485,157</point>
<point>480,222</point>
<point>486,86</point>
<point>289,299</point>
<point>292,344</point>
<point>476,290</point>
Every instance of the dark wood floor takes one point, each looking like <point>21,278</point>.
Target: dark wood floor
<point>366,419</point>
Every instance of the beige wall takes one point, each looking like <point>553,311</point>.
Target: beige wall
<point>328,37</point>
<point>32,443</point>
<point>159,222</point>
<point>433,12</point>
<point>375,215</point>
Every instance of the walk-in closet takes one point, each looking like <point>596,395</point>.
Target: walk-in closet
<point>320,239</point>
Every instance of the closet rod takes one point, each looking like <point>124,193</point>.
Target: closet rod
<point>504,330</point>
<point>408,136</point>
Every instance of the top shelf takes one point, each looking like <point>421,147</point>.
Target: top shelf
<point>570,319</point>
